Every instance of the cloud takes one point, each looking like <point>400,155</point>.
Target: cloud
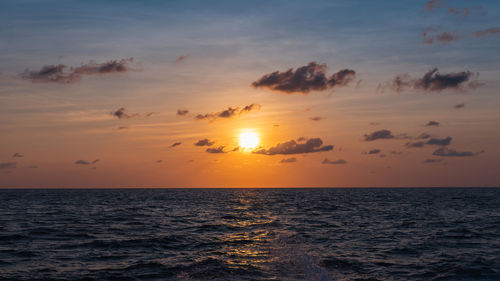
<point>432,123</point>
<point>460,105</point>
<point>435,141</point>
<point>181,58</point>
<point>428,161</point>
<point>228,113</point>
<point>122,128</point>
<point>311,77</point>
<point>58,73</point>
<point>442,38</point>
<point>317,118</point>
<point>433,81</point>
<point>373,151</point>
<point>159,161</point>
<point>489,31</point>
<point>204,142</point>
<point>121,114</point>
<point>176,144</point>
<point>182,112</point>
<point>84,162</point>
<point>333,162</point>
<point>449,152</point>
<point>415,144</point>
<point>8,165</point>
<point>465,12</point>
<point>289,160</point>
<point>17,155</point>
<point>431,141</point>
<point>381,134</point>
<point>423,136</point>
<point>219,149</point>
<point>432,5</point>
<point>292,147</point>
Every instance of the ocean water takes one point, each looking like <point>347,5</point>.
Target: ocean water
<point>250,234</point>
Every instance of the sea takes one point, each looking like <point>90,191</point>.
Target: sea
<point>250,234</point>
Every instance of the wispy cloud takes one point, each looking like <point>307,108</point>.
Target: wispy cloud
<point>181,58</point>
<point>333,162</point>
<point>17,155</point>
<point>373,151</point>
<point>432,123</point>
<point>176,144</point>
<point>204,142</point>
<point>8,165</point>
<point>58,73</point>
<point>216,150</point>
<point>288,160</point>
<point>379,135</point>
<point>293,147</point>
<point>305,79</point>
<point>489,31</point>
<point>84,162</point>
<point>449,152</point>
<point>228,113</point>
<point>122,114</point>
<point>182,112</point>
<point>433,81</point>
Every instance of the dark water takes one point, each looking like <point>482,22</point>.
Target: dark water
<point>250,234</point>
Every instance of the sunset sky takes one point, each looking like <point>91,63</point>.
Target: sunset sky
<point>337,93</point>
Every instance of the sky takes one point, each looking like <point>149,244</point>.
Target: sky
<point>108,94</point>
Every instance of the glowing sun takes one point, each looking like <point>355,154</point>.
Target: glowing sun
<point>248,140</point>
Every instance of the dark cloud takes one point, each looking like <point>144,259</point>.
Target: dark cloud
<point>415,144</point>
<point>311,77</point>
<point>333,162</point>
<point>432,5</point>
<point>84,162</point>
<point>317,118</point>
<point>228,113</point>
<point>460,105</point>
<point>435,141</point>
<point>449,152</point>
<point>373,151</point>
<point>289,160</point>
<point>292,147</point>
<point>8,165</point>
<point>122,128</point>
<point>58,73</point>
<point>489,31</point>
<point>181,58</point>
<point>428,161</point>
<point>204,142</point>
<point>433,81</point>
<point>432,123</point>
<point>219,149</point>
<point>176,144</point>
<point>121,114</point>
<point>381,134</point>
<point>182,112</point>
<point>431,141</point>
<point>17,155</point>
<point>159,161</point>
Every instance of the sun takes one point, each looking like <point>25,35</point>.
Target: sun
<point>248,140</point>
